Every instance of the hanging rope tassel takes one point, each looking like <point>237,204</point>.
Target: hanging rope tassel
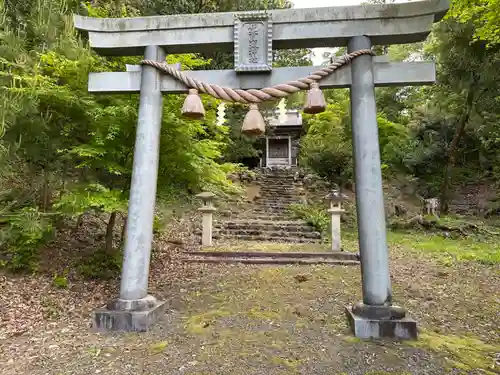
<point>315,101</point>
<point>265,94</point>
<point>193,107</point>
<point>253,124</point>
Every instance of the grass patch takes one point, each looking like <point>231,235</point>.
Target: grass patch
<point>464,353</point>
<point>448,250</point>
<point>291,364</point>
<point>158,347</point>
<point>198,324</point>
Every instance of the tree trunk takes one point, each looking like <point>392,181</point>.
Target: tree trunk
<point>124,231</point>
<point>109,233</point>
<point>45,191</point>
<point>78,223</point>
<point>64,178</point>
<point>451,153</point>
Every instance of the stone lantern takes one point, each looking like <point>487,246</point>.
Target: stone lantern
<point>207,209</point>
<point>336,198</point>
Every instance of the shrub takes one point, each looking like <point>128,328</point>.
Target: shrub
<point>314,215</point>
<point>22,234</point>
<point>60,281</point>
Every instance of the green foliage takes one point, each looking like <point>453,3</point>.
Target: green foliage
<point>21,235</point>
<point>326,148</point>
<point>60,281</point>
<point>483,14</point>
<point>314,215</point>
<point>294,57</point>
<point>65,152</point>
<point>93,198</point>
<point>391,136</point>
<point>464,353</point>
<point>239,146</point>
<point>449,250</point>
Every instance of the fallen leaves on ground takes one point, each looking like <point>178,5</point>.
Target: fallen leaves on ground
<point>228,319</point>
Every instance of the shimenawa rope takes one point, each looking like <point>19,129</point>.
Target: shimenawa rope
<point>264,94</point>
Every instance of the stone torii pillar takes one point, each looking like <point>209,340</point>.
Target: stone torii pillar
<point>252,36</point>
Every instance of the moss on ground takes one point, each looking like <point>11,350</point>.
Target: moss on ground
<point>463,353</point>
<point>448,250</point>
<point>290,320</point>
<point>262,314</point>
<point>158,347</point>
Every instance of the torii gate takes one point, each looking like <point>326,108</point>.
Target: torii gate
<point>252,36</point>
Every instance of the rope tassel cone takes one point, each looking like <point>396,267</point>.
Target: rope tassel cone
<point>193,107</point>
<point>254,96</point>
<point>253,124</point>
<point>315,102</point>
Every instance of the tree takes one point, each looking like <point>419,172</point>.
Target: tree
<point>484,15</point>
<point>66,153</point>
<point>467,75</point>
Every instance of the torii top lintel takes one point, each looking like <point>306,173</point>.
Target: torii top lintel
<point>385,24</point>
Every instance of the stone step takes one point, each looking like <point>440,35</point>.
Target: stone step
<point>264,220</point>
<point>263,238</point>
<point>279,192</point>
<point>262,211</point>
<point>278,196</point>
<point>269,226</point>
<point>270,210</point>
<point>338,255</point>
<point>256,216</point>
<point>275,205</point>
<point>268,214</point>
<point>281,206</point>
<point>265,232</point>
<point>270,261</point>
<point>271,203</point>
<point>290,184</point>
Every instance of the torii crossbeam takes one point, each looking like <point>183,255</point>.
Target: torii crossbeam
<point>252,36</point>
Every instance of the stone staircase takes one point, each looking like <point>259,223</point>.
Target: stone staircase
<point>267,218</point>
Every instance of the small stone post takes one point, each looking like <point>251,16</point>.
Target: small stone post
<point>207,209</point>
<point>336,211</point>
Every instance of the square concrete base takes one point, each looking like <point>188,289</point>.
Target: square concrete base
<point>107,320</point>
<point>366,328</point>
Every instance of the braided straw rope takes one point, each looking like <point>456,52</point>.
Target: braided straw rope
<point>262,95</point>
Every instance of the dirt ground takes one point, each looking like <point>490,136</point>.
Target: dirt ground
<point>224,319</point>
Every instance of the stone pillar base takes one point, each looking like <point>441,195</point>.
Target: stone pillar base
<point>377,322</point>
<point>128,316</point>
